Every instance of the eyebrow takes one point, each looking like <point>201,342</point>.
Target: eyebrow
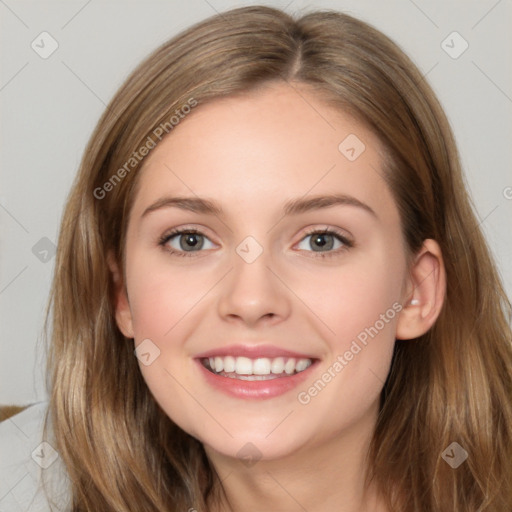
<point>292,207</point>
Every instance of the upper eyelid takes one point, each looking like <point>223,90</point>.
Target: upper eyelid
<point>182,230</point>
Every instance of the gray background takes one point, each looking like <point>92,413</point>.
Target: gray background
<point>50,106</point>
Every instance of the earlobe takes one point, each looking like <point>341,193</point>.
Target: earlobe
<point>122,306</point>
<point>426,293</point>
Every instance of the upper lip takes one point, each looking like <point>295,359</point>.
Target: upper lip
<point>252,352</point>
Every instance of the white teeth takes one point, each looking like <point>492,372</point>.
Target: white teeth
<point>243,366</point>
<point>289,367</point>
<point>229,364</point>
<point>219,363</point>
<point>261,366</point>
<point>302,364</point>
<point>277,365</point>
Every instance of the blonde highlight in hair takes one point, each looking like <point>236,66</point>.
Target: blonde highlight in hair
<point>120,449</point>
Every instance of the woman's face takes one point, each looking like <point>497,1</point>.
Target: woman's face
<point>253,289</point>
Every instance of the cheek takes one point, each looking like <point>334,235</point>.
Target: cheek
<point>359,304</point>
<point>163,300</point>
<point>161,296</point>
<point>357,296</point>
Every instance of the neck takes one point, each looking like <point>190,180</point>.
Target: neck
<point>327,475</point>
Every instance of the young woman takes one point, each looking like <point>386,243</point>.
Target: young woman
<point>271,290</point>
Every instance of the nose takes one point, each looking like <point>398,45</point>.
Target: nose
<point>253,293</point>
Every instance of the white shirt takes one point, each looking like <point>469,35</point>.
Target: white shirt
<point>24,456</point>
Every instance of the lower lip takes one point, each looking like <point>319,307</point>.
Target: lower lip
<point>256,388</point>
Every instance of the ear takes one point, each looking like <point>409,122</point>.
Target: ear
<point>426,292</point>
<point>122,306</point>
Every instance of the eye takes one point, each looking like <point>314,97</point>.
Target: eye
<point>326,240</point>
<point>183,241</point>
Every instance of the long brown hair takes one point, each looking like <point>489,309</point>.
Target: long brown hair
<point>454,384</point>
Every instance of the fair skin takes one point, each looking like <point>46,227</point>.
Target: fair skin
<point>250,155</point>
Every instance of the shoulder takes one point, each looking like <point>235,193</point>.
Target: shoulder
<point>26,458</point>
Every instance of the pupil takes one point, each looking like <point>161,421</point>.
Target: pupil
<point>190,240</point>
<point>318,241</point>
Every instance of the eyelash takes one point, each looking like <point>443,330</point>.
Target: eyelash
<point>347,244</point>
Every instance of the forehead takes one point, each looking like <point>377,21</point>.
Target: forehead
<point>261,149</point>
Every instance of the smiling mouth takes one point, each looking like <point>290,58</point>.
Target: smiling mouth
<point>263,368</point>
